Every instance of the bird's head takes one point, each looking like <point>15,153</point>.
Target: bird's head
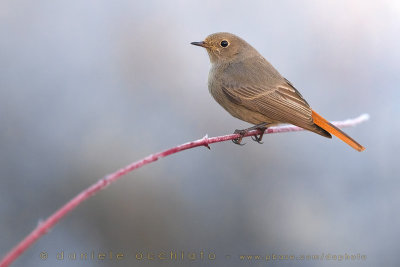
<point>224,47</point>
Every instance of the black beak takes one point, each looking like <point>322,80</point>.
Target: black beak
<point>202,44</point>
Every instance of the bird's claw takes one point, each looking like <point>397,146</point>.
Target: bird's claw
<point>238,140</point>
<point>257,139</point>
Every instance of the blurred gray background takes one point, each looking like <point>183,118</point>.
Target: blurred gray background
<point>87,87</point>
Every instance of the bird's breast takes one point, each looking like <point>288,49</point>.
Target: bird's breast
<point>215,81</point>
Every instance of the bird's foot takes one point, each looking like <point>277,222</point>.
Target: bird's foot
<point>260,136</point>
<point>238,140</point>
<point>260,127</point>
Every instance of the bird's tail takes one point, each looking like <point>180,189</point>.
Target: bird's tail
<point>327,126</point>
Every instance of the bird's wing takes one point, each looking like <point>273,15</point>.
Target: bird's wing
<point>280,102</point>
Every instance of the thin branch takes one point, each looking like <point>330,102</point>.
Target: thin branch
<point>46,225</point>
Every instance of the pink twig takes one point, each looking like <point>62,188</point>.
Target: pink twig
<point>46,225</point>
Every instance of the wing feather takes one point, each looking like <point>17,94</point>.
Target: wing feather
<point>282,103</point>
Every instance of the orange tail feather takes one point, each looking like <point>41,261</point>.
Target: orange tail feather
<point>327,126</point>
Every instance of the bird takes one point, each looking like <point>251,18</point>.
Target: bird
<point>247,86</point>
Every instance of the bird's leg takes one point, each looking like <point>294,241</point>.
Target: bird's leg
<point>261,127</point>
<point>239,139</point>
<point>259,138</point>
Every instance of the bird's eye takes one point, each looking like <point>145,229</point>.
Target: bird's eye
<point>224,43</point>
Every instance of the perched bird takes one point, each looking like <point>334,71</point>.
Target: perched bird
<point>246,85</point>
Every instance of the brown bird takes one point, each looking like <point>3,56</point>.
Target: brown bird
<point>247,86</point>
